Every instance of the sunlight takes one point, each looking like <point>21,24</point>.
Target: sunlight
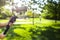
<point>20,3</point>
<point>16,1</point>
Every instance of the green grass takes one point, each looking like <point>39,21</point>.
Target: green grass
<point>3,20</point>
<point>37,21</point>
<point>29,32</point>
<point>41,30</point>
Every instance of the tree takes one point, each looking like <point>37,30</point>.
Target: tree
<point>53,8</point>
<point>29,13</point>
<point>2,2</point>
<point>37,5</point>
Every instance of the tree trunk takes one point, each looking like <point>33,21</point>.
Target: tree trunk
<point>33,18</point>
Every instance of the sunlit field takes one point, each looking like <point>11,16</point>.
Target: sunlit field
<point>44,29</point>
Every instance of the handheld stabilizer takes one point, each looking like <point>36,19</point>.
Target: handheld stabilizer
<point>12,20</point>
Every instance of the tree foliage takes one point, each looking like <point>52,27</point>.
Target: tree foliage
<point>5,13</point>
<point>2,2</point>
<point>52,8</point>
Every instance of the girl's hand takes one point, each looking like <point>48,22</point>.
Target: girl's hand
<point>2,36</point>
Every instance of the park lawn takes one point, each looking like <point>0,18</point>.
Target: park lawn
<point>19,31</point>
<point>3,20</point>
<point>42,23</point>
<point>36,21</point>
<point>17,20</point>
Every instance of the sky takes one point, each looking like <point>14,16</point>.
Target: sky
<point>26,3</point>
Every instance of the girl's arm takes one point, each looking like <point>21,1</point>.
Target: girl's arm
<point>3,25</point>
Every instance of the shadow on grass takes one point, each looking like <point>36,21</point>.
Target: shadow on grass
<point>48,34</point>
<point>38,33</point>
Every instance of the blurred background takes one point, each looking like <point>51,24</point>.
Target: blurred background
<point>37,19</point>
